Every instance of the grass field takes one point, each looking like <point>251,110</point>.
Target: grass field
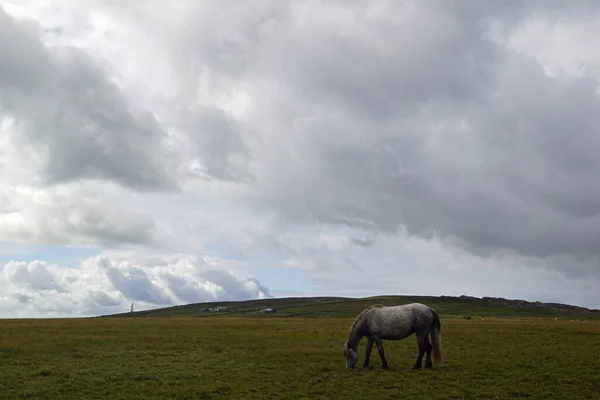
<point>272,357</point>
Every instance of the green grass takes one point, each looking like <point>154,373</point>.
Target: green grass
<point>290,358</point>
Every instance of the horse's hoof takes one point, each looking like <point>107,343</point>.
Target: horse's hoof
<point>417,367</point>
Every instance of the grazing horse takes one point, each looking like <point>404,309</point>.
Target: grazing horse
<point>395,323</point>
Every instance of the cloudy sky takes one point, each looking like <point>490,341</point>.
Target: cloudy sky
<point>165,153</point>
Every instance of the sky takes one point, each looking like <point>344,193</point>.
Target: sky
<point>166,153</point>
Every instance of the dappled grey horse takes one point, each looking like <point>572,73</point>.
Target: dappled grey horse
<point>395,323</point>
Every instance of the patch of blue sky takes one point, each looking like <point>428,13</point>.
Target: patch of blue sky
<point>59,255</point>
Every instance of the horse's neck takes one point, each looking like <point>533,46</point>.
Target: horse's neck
<point>354,339</point>
<point>356,334</point>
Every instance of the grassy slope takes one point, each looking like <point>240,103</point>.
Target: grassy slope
<point>347,307</point>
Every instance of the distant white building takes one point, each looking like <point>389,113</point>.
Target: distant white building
<point>268,310</point>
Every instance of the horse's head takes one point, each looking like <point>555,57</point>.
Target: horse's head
<point>351,355</point>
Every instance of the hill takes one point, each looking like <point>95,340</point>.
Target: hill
<point>348,307</point>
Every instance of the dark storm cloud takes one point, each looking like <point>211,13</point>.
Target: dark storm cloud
<point>382,116</point>
<point>77,118</point>
<point>440,129</point>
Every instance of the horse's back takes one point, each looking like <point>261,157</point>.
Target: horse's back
<point>415,306</point>
<point>408,309</point>
<point>396,322</point>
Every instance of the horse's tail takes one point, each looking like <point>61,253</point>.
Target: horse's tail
<point>436,337</point>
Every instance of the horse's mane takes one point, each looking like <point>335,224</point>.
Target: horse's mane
<point>360,319</point>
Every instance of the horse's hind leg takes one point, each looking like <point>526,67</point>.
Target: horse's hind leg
<point>380,350</point>
<point>428,363</point>
<point>424,346</point>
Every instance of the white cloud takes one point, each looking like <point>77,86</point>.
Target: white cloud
<point>403,264</point>
<point>102,286</point>
<point>48,216</point>
<point>348,141</point>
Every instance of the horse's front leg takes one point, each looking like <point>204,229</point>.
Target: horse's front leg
<point>368,352</point>
<point>384,364</point>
